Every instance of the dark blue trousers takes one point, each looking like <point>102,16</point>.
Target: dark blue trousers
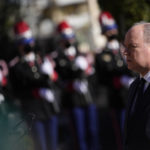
<point>85,125</point>
<point>45,134</point>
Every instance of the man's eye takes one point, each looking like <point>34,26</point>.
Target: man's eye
<point>133,46</point>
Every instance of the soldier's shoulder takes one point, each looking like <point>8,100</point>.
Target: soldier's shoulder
<point>13,62</point>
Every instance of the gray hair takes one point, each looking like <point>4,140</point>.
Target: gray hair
<point>146,32</point>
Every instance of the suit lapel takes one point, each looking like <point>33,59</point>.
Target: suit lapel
<point>146,97</point>
<point>131,96</point>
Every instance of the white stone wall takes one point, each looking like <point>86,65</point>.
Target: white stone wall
<point>83,16</point>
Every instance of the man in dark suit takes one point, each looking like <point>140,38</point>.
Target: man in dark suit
<point>137,53</point>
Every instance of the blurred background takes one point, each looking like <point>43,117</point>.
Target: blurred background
<point>106,76</point>
<point>43,15</point>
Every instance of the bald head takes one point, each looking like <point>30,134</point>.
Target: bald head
<point>144,28</point>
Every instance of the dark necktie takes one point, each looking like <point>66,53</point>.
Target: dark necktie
<point>139,94</point>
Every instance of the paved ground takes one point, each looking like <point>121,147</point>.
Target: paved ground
<point>14,133</point>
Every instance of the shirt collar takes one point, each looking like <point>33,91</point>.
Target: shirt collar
<point>147,77</point>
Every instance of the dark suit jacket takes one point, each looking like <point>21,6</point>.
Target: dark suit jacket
<point>137,126</point>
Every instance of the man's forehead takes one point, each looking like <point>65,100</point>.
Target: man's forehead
<point>134,33</point>
<point>137,29</point>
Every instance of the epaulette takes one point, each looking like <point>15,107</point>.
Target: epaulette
<point>14,61</point>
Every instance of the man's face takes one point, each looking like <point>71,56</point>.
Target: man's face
<point>137,52</point>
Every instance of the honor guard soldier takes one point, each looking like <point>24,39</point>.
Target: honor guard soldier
<point>72,68</point>
<point>33,87</point>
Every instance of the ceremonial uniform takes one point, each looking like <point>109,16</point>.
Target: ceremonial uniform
<point>34,89</point>
<point>73,68</point>
<point>27,81</point>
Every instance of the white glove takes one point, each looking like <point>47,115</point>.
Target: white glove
<point>47,94</point>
